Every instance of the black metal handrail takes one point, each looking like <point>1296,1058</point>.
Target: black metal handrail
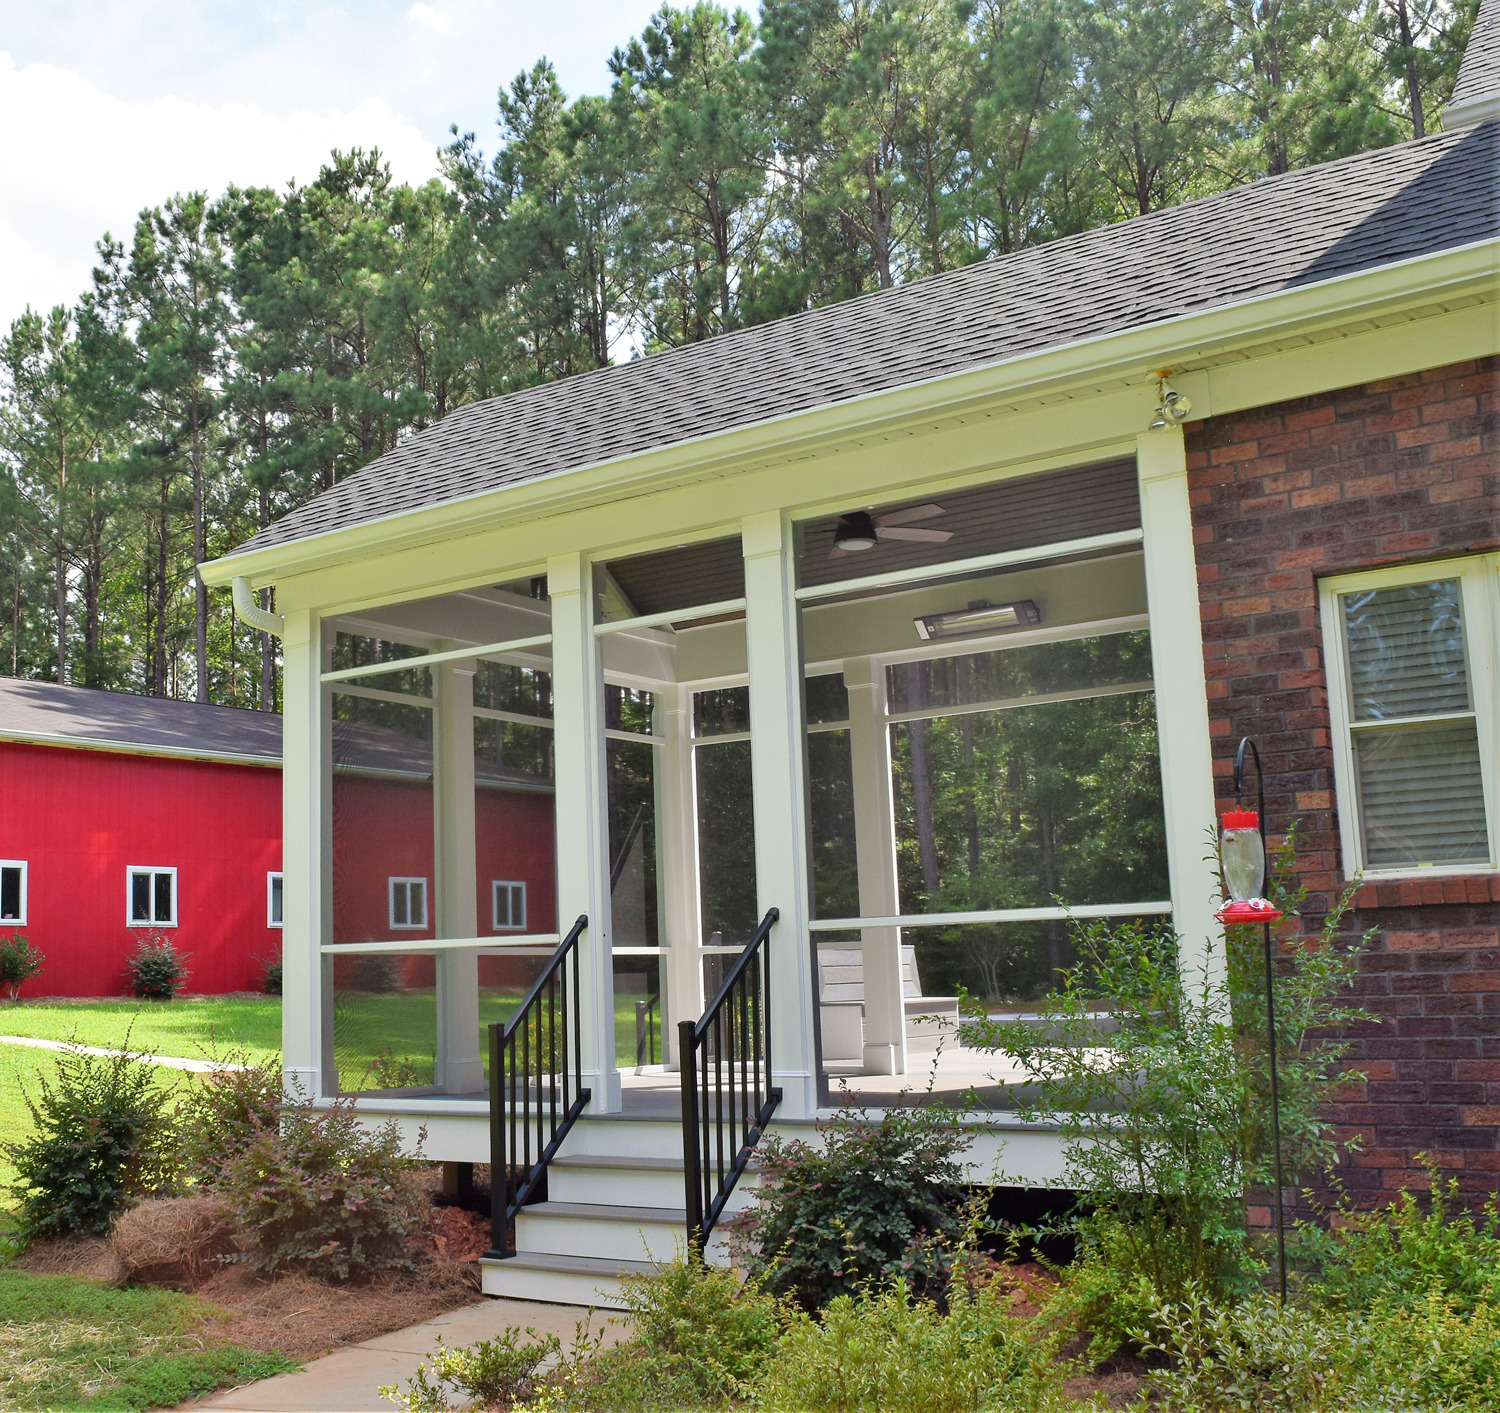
<point>727,1095</point>
<point>645,1029</point>
<point>536,1089</point>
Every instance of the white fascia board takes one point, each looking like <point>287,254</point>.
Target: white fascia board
<point>133,748</point>
<point>1130,354</point>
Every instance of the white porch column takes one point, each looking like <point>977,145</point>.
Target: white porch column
<point>460,1065</point>
<point>1181,695</point>
<point>306,841</point>
<point>875,850</point>
<point>776,750</point>
<point>582,820</point>
<point>677,869</point>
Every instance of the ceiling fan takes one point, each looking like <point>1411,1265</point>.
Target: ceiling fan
<point>859,530</point>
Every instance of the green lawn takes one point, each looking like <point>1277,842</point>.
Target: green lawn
<point>69,1343</point>
<point>196,1029</point>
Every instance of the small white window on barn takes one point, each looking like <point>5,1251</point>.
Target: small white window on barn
<point>273,899</point>
<point>12,893</point>
<point>408,902</point>
<point>1411,675</point>
<point>150,896</point>
<point>510,906</point>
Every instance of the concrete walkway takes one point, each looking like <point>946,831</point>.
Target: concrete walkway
<point>348,1380</point>
<point>170,1062</point>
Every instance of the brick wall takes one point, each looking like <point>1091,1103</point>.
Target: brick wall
<point>1389,472</point>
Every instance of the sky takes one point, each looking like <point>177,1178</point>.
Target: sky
<point>112,106</point>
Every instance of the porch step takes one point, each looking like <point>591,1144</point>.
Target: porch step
<point>604,1230</point>
<point>562,1280</point>
<point>630,1181</point>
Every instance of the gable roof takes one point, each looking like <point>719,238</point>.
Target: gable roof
<point>1273,235</point>
<point>1476,94</point>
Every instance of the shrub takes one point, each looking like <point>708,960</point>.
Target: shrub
<point>884,1350</point>
<point>1274,1358</point>
<point>218,1116</point>
<point>102,1137</point>
<point>270,975</point>
<point>1165,1135</point>
<point>881,1199</point>
<point>320,1193</point>
<point>158,971</point>
<point>19,962</point>
<point>1403,1253</point>
<point>498,1372</point>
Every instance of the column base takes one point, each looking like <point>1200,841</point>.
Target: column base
<point>604,1090</point>
<point>884,1057</point>
<point>463,1076</point>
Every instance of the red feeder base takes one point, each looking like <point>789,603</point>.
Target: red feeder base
<point>1254,910</point>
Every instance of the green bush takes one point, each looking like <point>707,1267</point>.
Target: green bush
<point>102,1136</point>
<point>218,1116</point>
<point>158,971</point>
<point>881,1199</point>
<point>19,962</point>
<point>270,975</point>
<point>1403,1253</point>
<point>1165,1120</point>
<point>500,1372</point>
<point>1425,1357</point>
<point>883,1350</point>
<point>322,1194</point>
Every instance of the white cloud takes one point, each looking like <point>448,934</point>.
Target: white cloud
<point>429,18</point>
<point>79,161</point>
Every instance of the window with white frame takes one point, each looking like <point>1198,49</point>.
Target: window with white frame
<point>1411,654</point>
<point>408,902</point>
<point>150,896</point>
<point>12,893</point>
<point>509,905</point>
<point>274,889</point>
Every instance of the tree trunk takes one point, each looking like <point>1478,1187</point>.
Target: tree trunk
<point>200,589</point>
<point>267,643</point>
<point>1413,86</point>
<point>921,786</point>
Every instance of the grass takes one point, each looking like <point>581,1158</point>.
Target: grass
<point>69,1343</point>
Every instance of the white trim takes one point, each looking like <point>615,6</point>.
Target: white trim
<point>1057,914</point>
<point>541,944</point>
<point>153,871</point>
<point>272,879</point>
<point>1072,694</point>
<point>134,748</point>
<point>496,884</point>
<point>514,718</point>
<point>406,882</point>
<point>20,919</point>
<point>674,615</point>
<point>974,564</point>
<point>407,664</point>
<point>1479,587</point>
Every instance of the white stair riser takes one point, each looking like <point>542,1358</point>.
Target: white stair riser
<point>624,1187</point>
<point>559,1287</point>
<point>602,1239</point>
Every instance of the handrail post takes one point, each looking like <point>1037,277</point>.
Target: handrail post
<point>687,1060</point>
<point>499,1185</point>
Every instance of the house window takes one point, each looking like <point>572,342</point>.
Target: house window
<point>408,902</point>
<point>273,899</point>
<point>12,893</point>
<point>509,905</point>
<point>151,897</point>
<point>1411,683</point>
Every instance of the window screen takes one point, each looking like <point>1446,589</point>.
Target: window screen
<point>12,892</point>
<point>1415,736</point>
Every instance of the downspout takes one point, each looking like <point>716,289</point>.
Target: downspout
<point>250,612</point>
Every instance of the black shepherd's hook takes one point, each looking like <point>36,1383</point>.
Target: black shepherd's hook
<point>1239,793</point>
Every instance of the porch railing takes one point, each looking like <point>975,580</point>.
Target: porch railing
<point>536,1090</point>
<point>645,1029</point>
<point>727,1095</point>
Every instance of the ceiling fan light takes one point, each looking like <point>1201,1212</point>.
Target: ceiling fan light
<point>978,618</point>
<point>852,543</point>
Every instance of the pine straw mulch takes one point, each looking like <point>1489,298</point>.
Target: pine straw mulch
<point>297,1316</point>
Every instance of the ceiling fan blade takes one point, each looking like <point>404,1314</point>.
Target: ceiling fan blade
<point>905,517</point>
<point>935,537</point>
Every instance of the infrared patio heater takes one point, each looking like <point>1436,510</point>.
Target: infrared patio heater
<point>1242,853</point>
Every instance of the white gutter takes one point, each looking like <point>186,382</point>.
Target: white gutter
<point>252,613</point>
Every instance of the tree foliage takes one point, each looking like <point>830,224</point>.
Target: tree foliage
<point>239,354</point>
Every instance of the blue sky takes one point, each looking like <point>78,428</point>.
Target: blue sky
<point>114,105</point>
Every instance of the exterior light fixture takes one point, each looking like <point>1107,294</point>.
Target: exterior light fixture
<point>856,532</point>
<point>977,618</point>
<point>1174,407</point>
<point>1242,856</point>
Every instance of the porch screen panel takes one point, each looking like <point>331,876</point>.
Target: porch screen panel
<point>385,1037</point>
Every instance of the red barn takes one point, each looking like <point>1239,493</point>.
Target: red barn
<point>121,816</point>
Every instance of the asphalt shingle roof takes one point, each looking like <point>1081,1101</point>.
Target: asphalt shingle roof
<point>1479,74</point>
<point>1309,225</point>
